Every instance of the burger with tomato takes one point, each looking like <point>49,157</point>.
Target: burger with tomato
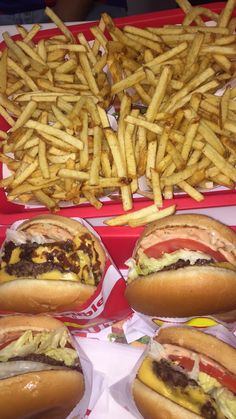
<point>40,370</point>
<point>187,374</point>
<point>49,263</point>
<point>183,265</point>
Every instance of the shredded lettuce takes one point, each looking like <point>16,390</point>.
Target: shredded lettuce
<point>147,265</point>
<point>52,344</point>
<point>207,382</point>
<point>225,399</point>
<point>226,402</point>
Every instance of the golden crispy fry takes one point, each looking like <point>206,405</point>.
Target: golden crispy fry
<point>173,132</point>
<point>75,142</point>
<point>153,217</point>
<point>97,147</point>
<point>3,72</point>
<point>124,219</point>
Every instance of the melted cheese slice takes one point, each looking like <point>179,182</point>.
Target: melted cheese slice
<point>191,398</point>
<point>15,256</point>
<point>40,256</point>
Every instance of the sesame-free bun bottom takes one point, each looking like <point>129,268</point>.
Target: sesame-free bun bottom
<point>41,395</point>
<point>154,406</point>
<point>42,296</point>
<point>188,291</point>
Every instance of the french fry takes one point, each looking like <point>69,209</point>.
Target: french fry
<point>220,162</point>
<point>152,217</point>
<point>95,166</point>
<point>18,53</point>
<point>3,72</point>
<point>62,135</point>
<point>30,52</point>
<point>44,199</point>
<point>29,169</point>
<point>124,219</point>
<point>58,22</point>
<point>73,174</point>
<point>25,115</point>
<point>55,95</point>
<point>156,187</point>
<point>43,164</point>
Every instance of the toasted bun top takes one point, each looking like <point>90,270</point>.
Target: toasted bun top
<point>18,323</point>
<point>68,224</point>
<point>200,342</point>
<point>192,220</point>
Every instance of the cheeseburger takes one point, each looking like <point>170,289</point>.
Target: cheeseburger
<point>183,265</point>
<point>40,372</point>
<point>49,263</point>
<point>187,374</point>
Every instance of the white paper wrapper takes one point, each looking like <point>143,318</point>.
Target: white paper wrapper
<point>115,361</point>
<point>138,324</point>
<point>94,385</point>
<point>107,304</point>
<point>122,390</point>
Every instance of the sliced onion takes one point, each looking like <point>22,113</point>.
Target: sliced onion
<point>195,371</point>
<point>13,368</point>
<point>156,350</point>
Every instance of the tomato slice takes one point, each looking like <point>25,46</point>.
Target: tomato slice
<point>3,345</point>
<point>170,246</point>
<point>224,377</point>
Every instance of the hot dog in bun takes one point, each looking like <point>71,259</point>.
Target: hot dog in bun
<point>50,263</point>
<point>40,372</point>
<point>183,265</point>
<point>187,374</point>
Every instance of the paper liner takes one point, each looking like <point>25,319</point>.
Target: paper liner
<point>140,325</point>
<point>93,380</point>
<point>122,390</point>
<point>115,361</point>
<point>107,304</point>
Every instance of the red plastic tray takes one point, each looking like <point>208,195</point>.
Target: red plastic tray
<point>212,199</point>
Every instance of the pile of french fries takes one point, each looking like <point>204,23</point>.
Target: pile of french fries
<point>173,131</point>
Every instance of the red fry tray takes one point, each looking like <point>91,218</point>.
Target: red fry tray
<point>119,241</point>
<point>215,198</point>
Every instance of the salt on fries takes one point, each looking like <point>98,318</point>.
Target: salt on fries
<point>172,129</point>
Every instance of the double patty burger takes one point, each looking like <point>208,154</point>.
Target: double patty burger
<point>183,265</point>
<point>187,374</point>
<point>49,263</point>
<point>40,372</point>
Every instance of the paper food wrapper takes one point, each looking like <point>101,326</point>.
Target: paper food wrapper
<point>115,361</point>
<point>94,385</point>
<point>139,325</point>
<point>107,304</point>
<point>122,390</point>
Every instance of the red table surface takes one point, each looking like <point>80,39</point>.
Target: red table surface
<point>111,208</point>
